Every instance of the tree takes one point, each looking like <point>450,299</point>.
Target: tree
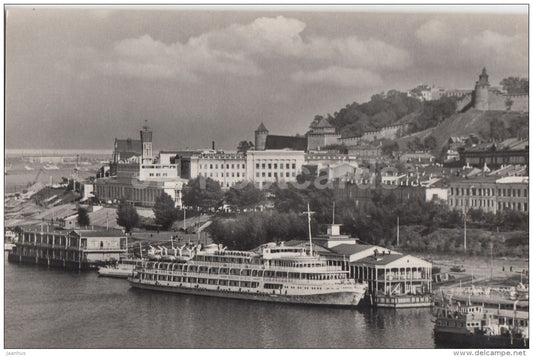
<point>203,193</point>
<point>244,146</point>
<point>244,197</point>
<point>389,147</point>
<point>430,142</point>
<point>515,85</point>
<point>127,216</point>
<point>83,217</point>
<point>164,210</point>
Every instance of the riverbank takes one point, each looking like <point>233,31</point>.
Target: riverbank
<point>506,271</point>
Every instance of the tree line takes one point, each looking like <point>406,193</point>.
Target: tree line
<point>252,217</point>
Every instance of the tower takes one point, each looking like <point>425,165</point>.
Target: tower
<point>260,137</point>
<point>481,92</point>
<point>146,144</point>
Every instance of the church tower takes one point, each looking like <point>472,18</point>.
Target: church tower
<point>260,137</point>
<point>146,144</point>
<point>481,95</point>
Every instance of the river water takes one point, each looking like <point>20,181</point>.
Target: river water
<point>47,308</point>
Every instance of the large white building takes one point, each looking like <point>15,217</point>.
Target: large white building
<point>225,168</point>
<point>270,166</point>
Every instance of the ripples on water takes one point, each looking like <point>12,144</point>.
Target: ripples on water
<point>57,309</point>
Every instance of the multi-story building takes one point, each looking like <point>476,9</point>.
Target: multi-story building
<point>273,166</point>
<point>490,194</point>
<point>225,168</point>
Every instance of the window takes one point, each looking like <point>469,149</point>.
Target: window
<point>211,166</point>
<point>294,166</point>
<point>232,166</point>
<point>275,166</point>
<point>262,166</point>
<point>256,166</point>
<point>270,166</point>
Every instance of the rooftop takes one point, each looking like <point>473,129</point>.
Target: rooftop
<point>349,249</point>
<point>262,127</point>
<point>514,179</point>
<point>278,142</point>
<point>323,123</point>
<point>380,259</point>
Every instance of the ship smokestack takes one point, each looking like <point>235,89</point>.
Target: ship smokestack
<point>213,145</point>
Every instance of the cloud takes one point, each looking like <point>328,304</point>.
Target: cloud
<point>237,49</point>
<point>347,77</point>
<point>496,50</point>
<point>471,48</point>
<point>145,57</point>
<point>433,31</point>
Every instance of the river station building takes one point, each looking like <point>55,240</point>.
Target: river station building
<point>394,280</point>
<point>78,249</point>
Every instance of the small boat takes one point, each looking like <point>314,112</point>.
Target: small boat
<point>121,269</point>
<point>482,318</point>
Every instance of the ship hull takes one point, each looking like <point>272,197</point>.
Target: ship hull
<point>449,339</point>
<point>346,299</point>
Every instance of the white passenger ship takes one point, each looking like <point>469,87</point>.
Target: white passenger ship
<point>276,273</point>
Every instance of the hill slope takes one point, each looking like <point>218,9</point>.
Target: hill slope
<point>485,124</point>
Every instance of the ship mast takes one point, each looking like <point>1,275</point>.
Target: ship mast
<point>309,213</point>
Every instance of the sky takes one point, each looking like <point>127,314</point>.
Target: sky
<point>79,77</point>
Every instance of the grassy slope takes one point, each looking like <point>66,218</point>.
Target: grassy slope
<point>471,122</point>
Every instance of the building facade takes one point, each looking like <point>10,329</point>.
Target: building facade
<point>78,249</point>
<point>490,194</point>
<point>493,157</point>
<point>271,166</point>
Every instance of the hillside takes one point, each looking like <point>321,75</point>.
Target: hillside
<point>487,125</point>
<point>389,109</point>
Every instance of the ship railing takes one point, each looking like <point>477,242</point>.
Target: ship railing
<point>245,277</point>
<point>318,269</point>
